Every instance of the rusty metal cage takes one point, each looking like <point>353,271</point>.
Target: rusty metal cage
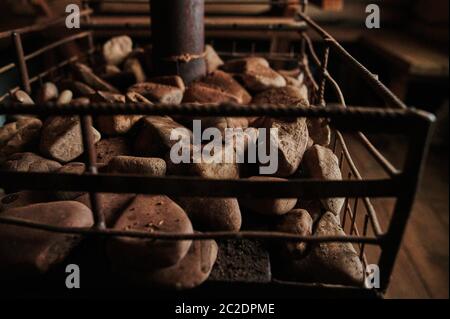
<point>360,218</point>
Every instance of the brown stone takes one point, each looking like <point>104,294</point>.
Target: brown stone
<point>17,136</point>
<point>303,89</point>
<point>255,73</point>
<point>154,140</point>
<point>133,97</point>
<point>329,263</point>
<point>22,97</point>
<point>217,87</point>
<point>158,93</point>
<point>86,74</point>
<point>269,206</point>
<point>293,73</point>
<point>116,50</point>
<point>25,251</point>
<point>319,131</point>
<point>149,214</point>
<point>213,60</point>
<point>199,92</point>
<point>217,168</point>
<point>225,83</point>
<point>292,142</point>
<point>111,205</point>
<point>286,96</point>
<point>47,92</point>
<point>170,80</point>
<point>134,66</point>
<point>321,163</point>
<point>24,198</point>
<point>222,123</point>
<point>70,168</point>
<point>114,124</point>
<point>147,166</point>
<point>111,69</point>
<point>65,97</point>
<point>240,65</point>
<point>313,207</point>
<point>108,148</point>
<point>61,138</point>
<point>212,214</point>
<point>188,273</point>
<point>310,143</point>
<point>298,222</point>
<point>29,162</point>
<point>108,97</point>
<point>78,88</point>
<point>81,101</point>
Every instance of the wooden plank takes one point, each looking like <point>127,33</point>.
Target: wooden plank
<point>125,8</point>
<point>414,57</point>
<point>144,23</point>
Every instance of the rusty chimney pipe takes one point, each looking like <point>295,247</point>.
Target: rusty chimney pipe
<point>178,35</point>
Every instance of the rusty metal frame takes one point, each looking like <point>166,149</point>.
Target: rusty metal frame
<point>401,184</point>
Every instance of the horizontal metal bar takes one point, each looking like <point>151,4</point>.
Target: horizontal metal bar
<point>261,235</point>
<point>7,68</point>
<point>360,118</point>
<point>270,56</point>
<point>296,26</point>
<point>193,186</point>
<point>209,26</point>
<point>40,26</point>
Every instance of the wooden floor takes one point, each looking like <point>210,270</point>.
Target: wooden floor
<point>422,267</point>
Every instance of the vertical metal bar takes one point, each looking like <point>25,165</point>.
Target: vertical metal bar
<point>91,160</point>
<point>346,208</point>
<point>335,142</point>
<point>363,246</point>
<point>274,44</point>
<point>346,212</point>
<point>323,81</point>
<point>303,5</point>
<point>90,36</point>
<point>411,177</point>
<point>21,63</point>
<point>178,35</point>
<point>355,214</point>
<point>233,48</point>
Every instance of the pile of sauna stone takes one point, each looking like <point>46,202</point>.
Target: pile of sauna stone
<point>133,144</point>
